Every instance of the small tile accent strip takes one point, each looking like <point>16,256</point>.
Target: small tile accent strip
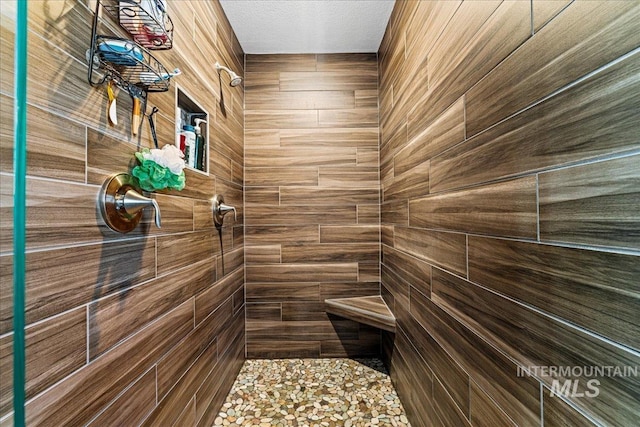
<point>312,392</point>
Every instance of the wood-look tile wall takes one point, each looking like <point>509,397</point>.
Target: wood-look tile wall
<point>312,201</point>
<point>143,328</point>
<point>510,218</point>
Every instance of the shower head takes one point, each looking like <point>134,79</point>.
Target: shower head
<point>235,79</point>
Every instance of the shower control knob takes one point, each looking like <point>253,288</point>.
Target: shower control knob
<point>121,203</point>
<point>133,202</point>
<point>220,209</point>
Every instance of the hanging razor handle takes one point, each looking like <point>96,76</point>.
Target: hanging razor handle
<point>137,95</point>
<point>135,116</point>
<point>152,125</point>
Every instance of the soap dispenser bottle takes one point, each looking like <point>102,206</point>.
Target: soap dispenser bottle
<point>200,146</point>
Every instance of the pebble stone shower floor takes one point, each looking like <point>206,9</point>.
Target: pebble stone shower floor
<point>312,392</point>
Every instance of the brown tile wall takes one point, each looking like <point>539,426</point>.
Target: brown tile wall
<point>146,327</point>
<point>510,173</point>
<point>312,201</point>
<point>500,177</point>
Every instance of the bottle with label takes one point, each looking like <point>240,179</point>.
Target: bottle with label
<point>188,135</point>
<point>200,156</point>
<point>181,143</point>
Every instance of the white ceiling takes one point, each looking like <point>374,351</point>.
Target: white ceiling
<point>308,26</point>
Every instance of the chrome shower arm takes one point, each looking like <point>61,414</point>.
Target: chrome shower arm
<point>235,79</point>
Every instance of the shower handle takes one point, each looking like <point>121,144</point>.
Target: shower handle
<point>132,202</point>
<point>220,209</point>
<point>121,203</point>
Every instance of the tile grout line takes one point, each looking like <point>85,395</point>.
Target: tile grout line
<point>538,207</point>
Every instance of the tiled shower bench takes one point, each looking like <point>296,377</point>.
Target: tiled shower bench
<point>370,310</point>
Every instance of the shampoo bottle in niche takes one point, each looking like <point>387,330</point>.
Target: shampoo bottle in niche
<point>199,153</point>
<point>188,141</point>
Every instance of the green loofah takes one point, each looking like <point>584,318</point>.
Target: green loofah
<point>154,177</point>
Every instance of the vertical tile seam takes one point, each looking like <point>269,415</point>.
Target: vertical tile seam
<point>155,368</point>
<point>155,258</point>
<point>541,403</point>
<point>244,203</point>
<point>464,117</point>
<point>88,328</point>
<point>193,305</point>
<point>431,267</point>
<point>379,214</point>
<point>195,406</point>
<point>538,207</point>
<point>469,381</point>
<point>531,16</point>
<point>193,215</point>
<point>86,155</point>
<point>466,249</point>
